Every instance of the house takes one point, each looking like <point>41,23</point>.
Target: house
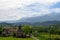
<point>8,31</point>
<point>16,32</point>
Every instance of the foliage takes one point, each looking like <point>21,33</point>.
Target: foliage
<point>13,38</point>
<point>27,29</point>
<point>41,32</point>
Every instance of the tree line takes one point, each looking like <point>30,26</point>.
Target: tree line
<point>28,30</point>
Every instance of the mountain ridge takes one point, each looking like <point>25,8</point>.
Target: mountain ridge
<point>50,17</point>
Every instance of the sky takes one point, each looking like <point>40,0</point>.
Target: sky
<point>17,9</point>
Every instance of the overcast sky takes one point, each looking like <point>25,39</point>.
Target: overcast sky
<point>17,9</point>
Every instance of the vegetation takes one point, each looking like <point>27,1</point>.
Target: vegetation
<point>10,32</point>
<point>12,38</point>
<point>27,29</point>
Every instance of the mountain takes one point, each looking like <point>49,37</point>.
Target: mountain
<point>47,23</point>
<point>50,17</point>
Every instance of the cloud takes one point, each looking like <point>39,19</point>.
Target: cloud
<point>17,9</point>
<point>20,3</point>
<point>55,10</point>
<point>57,5</point>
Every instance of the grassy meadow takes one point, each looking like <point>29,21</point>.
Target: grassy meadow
<point>45,36</point>
<point>13,38</point>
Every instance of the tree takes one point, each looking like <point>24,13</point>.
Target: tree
<point>26,29</point>
<point>1,30</point>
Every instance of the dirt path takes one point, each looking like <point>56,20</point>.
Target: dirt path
<point>34,38</point>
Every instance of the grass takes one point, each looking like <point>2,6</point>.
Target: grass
<point>55,37</point>
<point>13,38</point>
<point>42,36</point>
<point>47,36</point>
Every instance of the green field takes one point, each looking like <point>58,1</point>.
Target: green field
<point>46,36</point>
<point>13,38</point>
<point>42,36</point>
